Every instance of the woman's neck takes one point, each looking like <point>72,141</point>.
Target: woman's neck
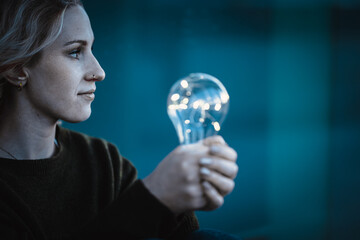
<point>25,134</point>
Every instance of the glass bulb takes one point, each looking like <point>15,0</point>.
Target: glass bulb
<point>197,105</point>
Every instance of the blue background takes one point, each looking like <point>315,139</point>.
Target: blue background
<point>292,72</point>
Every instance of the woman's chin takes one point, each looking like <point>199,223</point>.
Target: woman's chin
<point>78,117</point>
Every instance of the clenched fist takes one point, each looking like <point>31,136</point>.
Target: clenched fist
<point>195,176</point>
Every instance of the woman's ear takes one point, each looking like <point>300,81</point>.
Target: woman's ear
<point>17,78</point>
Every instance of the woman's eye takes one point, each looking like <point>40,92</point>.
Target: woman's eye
<point>75,53</point>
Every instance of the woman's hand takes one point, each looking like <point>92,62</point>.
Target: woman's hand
<point>195,176</point>
<point>176,180</point>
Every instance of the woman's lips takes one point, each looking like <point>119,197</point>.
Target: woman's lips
<point>89,95</point>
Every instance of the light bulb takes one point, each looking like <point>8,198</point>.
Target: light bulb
<point>197,105</point>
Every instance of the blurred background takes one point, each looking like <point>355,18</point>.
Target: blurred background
<point>292,72</point>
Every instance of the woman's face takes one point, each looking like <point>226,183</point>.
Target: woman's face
<point>61,84</point>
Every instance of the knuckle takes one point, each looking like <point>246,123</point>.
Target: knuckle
<point>219,202</point>
<point>235,172</point>
<point>183,166</point>
<point>202,203</point>
<point>188,193</point>
<point>230,187</point>
<point>187,179</point>
<point>192,192</point>
<point>198,202</point>
<point>235,154</point>
<point>236,168</point>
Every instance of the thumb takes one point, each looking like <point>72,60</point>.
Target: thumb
<point>213,140</point>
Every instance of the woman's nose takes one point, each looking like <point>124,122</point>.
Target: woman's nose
<point>95,73</point>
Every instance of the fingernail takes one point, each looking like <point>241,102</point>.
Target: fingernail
<point>204,171</point>
<point>206,161</point>
<point>206,185</point>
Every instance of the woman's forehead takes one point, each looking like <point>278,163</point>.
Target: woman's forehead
<point>76,26</point>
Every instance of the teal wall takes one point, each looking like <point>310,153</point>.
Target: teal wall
<point>292,72</point>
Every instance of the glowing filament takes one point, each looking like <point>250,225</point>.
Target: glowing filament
<point>185,101</point>
<point>184,83</point>
<point>175,97</point>
<point>206,106</point>
<point>196,104</point>
<point>173,107</point>
<point>183,106</point>
<point>218,107</point>
<point>224,97</point>
<point>187,121</point>
<point>216,126</point>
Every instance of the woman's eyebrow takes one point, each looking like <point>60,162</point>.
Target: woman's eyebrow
<point>82,42</point>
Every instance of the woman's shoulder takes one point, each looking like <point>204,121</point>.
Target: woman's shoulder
<point>69,136</point>
<point>103,154</point>
<point>78,142</point>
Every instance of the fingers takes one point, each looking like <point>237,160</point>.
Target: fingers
<point>222,184</point>
<point>218,147</point>
<point>215,200</point>
<point>215,145</point>
<point>223,151</point>
<point>225,167</point>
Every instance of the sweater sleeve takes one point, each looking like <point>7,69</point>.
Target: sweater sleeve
<point>137,214</point>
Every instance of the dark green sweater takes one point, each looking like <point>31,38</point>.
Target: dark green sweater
<point>86,191</point>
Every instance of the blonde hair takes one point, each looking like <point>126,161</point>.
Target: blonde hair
<point>27,27</point>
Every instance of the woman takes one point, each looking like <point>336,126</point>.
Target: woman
<point>60,184</point>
